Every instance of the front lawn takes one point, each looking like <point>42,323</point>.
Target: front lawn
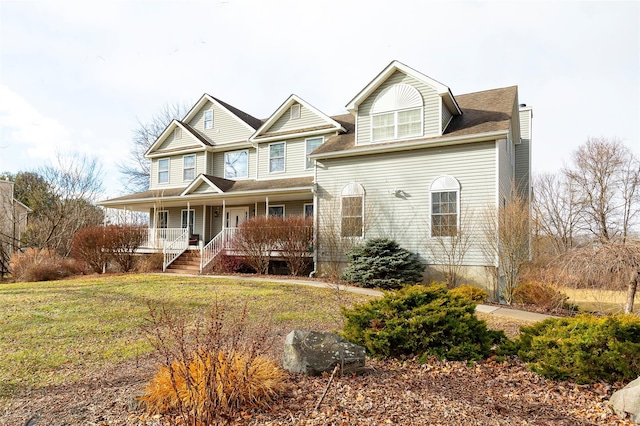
<point>57,332</point>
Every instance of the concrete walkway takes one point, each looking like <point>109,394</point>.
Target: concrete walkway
<point>487,309</point>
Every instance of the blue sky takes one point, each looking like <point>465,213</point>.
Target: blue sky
<point>78,75</point>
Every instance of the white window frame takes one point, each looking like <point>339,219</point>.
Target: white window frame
<point>207,123</point>
<point>284,157</point>
<point>185,169</point>
<point>295,112</point>
<point>177,133</point>
<point>161,171</point>
<point>304,210</point>
<point>158,222</point>
<point>395,124</point>
<point>277,206</point>
<point>352,190</point>
<point>444,184</point>
<point>193,223</point>
<point>226,176</point>
<point>308,166</point>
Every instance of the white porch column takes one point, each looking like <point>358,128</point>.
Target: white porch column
<point>266,206</point>
<point>188,218</point>
<point>204,221</point>
<point>224,214</point>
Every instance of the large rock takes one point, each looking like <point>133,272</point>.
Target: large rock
<point>313,353</point>
<point>626,401</point>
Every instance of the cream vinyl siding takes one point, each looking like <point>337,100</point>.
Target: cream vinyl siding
<point>185,140</point>
<point>523,152</point>
<point>291,208</point>
<point>294,164</point>
<point>218,163</point>
<point>446,116</point>
<point>431,103</point>
<point>285,123</point>
<point>175,171</point>
<point>505,168</point>
<point>406,217</point>
<point>226,127</point>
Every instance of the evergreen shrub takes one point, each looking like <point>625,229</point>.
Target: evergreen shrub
<point>471,293</point>
<point>382,263</point>
<point>420,321</point>
<point>584,348</point>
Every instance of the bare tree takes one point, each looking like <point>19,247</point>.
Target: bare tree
<point>136,169</point>
<point>73,185</point>
<point>556,210</point>
<point>605,175</point>
<point>614,263</point>
<point>507,231</point>
<point>450,250</point>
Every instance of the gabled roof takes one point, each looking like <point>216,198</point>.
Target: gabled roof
<point>218,184</point>
<point>247,120</point>
<point>185,128</point>
<point>282,109</point>
<point>485,112</point>
<point>443,91</point>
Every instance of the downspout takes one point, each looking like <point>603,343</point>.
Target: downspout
<point>314,190</point>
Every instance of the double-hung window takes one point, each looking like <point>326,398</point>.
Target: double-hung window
<point>163,170</point>
<point>397,113</point>
<point>189,167</point>
<point>236,164</point>
<point>208,119</point>
<point>445,203</point>
<point>352,210</point>
<point>276,211</point>
<point>310,145</point>
<point>188,220</point>
<point>276,157</point>
<point>162,219</point>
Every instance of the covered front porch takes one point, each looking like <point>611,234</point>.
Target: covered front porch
<point>206,222</point>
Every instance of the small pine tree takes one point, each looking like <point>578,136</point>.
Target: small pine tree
<point>382,263</point>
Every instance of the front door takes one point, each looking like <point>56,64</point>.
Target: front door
<point>235,216</point>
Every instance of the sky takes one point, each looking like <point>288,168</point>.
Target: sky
<point>79,76</point>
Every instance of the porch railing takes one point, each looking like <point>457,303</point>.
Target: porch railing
<point>215,246</point>
<point>160,237</point>
<point>175,248</point>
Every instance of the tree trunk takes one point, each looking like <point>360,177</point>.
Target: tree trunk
<point>631,292</point>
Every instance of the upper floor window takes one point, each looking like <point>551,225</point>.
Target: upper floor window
<point>295,111</point>
<point>236,164</point>
<point>208,119</point>
<point>445,197</point>
<point>177,133</point>
<point>310,145</point>
<point>276,157</point>
<point>397,113</point>
<point>189,167</point>
<point>163,170</point>
<point>352,210</point>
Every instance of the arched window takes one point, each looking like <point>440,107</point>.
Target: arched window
<point>397,113</point>
<point>445,206</point>
<point>352,210</point>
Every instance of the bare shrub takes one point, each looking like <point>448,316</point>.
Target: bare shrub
<point>41,265</point>
<point>211,371</point>
<point>255,240</point>
<point>150,262</point>
<point>88,246</point>
<point>295,238</point>
<point>122,242</point>
<point>540,294</point>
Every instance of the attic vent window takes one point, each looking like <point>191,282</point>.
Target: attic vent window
<point>295,111</point>
<point>397,113</point>
<point>208,119</point>
<point>177,133</point>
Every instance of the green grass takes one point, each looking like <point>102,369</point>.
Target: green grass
<point>55,332</point>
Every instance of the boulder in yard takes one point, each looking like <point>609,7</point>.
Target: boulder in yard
<point>313,353</point>
<point>626,401</point>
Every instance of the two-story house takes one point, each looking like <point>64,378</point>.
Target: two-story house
<point>13,223</point>
<point>405,161</point>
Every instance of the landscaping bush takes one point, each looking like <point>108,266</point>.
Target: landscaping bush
<point>585,348</point>
<point>150,262</point>
<point>471,293</point>
<point>295,241</point>
<point>382,263</point>
<point>88,246</point>
<point>122,241</point>
<point>41,265</point>
<point>211,371</point>
<point>420,320</point>
<point>255,239</point>
<point>539,294</point>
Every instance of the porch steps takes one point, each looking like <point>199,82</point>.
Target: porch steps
<point>187,263</point>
